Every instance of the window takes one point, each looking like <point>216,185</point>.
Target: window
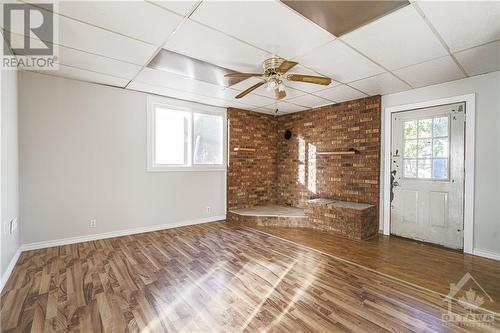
<point>426,148</point>
<point>185,136</point>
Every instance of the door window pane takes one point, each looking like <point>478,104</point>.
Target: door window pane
<point>424,168</point>
<point>410,148</point>
<point>425,148</point>
<point>171,136</point>
<point>425,128</point>
<point>440,127</point>
<point>440,168</point>
<point>440,147</point>
<point>410,131</point>
<point>207,145</point>
<point>410,168</point>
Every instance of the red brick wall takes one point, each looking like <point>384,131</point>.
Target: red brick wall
<point>355,178</point>
<point>251,176</point>
<point>279,171</point>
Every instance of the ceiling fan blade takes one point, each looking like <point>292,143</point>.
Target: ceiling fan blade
<point>310,79</point>
<point>286,66</point>
<point>242,74</point>
<point>280,94</point>
<point>249,90</point>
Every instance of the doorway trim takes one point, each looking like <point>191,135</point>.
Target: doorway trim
<point>470,117</point>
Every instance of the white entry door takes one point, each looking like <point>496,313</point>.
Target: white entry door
<point>427,169</point>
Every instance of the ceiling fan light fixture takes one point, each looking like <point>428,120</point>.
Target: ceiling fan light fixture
<point>281,86</point>
<point>271,84</point>
<point>274,75</point>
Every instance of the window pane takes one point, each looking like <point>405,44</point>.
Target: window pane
<point>410,168</point>
<point>440,168</point>
<point>410,129</point>
<point>425,128</point>
<point>171,136</point>
<point>440,148</point>
<point>207,139</point>
<point>424,168</point>
<point>440,126</point>
<point>410,148</point>
<point>424,148</point>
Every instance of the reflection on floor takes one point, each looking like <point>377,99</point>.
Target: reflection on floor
<point>212,277</point>
<point>270,210</point>
<point>422,264</point>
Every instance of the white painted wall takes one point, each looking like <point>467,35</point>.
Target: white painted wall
<point>9,179</point>
<point>83,155</point>
<point>487,149</point>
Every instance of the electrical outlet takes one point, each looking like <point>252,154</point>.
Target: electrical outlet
<point>13,225</point>
<point>93,223</point>
<point>208,209</point>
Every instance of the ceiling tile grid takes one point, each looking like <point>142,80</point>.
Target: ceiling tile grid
<point>269,25</point>
<point>480,60</point>
<point>340,62</point>
<point>341,93</point>
<point>424,43</point>
<point>464,24</point>
<point>385,83</point>
<point>193,39</point>
<point>430,72</point>
<point>399,39</point>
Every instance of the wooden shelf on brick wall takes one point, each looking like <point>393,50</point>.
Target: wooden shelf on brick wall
<point>244,149</point>
<point>350,151</point>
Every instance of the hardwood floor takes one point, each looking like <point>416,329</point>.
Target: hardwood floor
<point>211,278</point>
<point>426,265</point>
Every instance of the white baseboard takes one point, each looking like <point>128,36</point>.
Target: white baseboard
<point>487,254</point>
<point>10,268</point>
<point>104,235</point>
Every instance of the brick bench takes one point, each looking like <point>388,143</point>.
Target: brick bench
<point>348,219</point>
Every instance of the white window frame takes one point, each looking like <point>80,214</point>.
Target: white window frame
<point>173,104</point>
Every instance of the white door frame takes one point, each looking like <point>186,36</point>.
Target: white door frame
<point>470,116</point>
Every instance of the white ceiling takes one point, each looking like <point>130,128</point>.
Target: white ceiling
<point>427,42</point>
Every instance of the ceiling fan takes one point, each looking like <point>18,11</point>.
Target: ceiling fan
<point>274,75</point>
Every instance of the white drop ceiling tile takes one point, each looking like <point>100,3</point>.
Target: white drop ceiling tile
<point>179,82</point>
<point>464,24</point>
<point>340,93</point>
<point>88,76</point>
<point>381,84</point>
<point>270,25</point>
<point>339,62</point>
<point>307,87</point>
<point>87,61</point>
<point>137,19</point>
<point>399,39</point>
<point>285,107</point>
<point>182,7</point>
<point>164,91</point>
<point>97,63</point>
<point>310,101</point>
<point>226,103</point>
<point>200,42</point>
<point>88,38</point>
<point>481,59</point>
<point>250,99</point>
<point>431,72</point>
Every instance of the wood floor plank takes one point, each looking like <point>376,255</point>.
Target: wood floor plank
<point>211,278</point>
